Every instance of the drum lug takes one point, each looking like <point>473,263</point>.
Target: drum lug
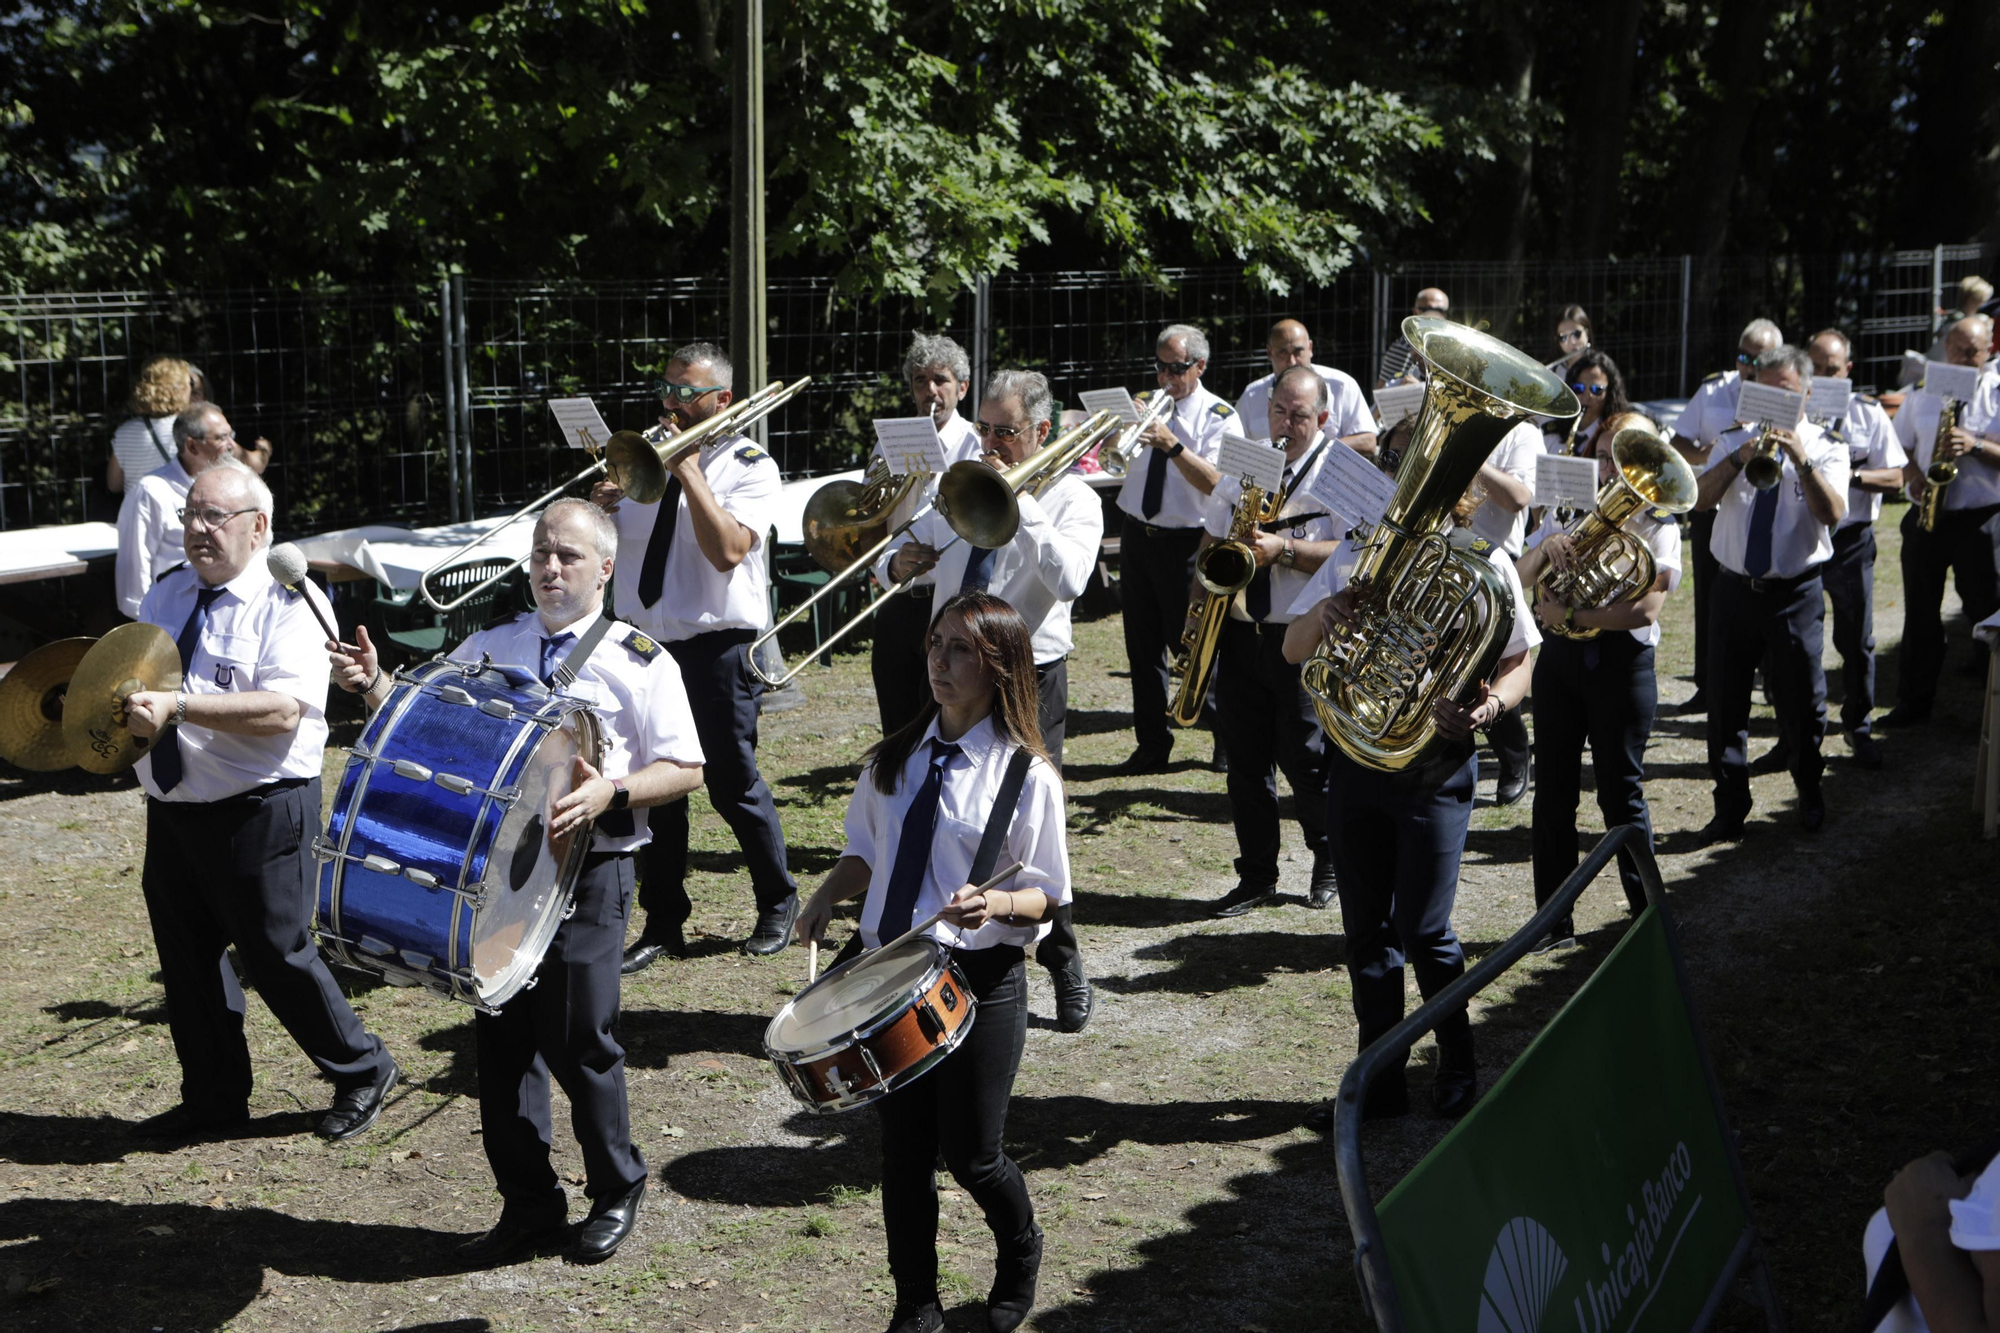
<point>499,708</point>
<point>420,962</point>
<point>868,1058</point>
<point>382,865</point>
<point>323,850</point>
<point>452,694</point>
<point>927,1019</point>
<point>411,769</point>
<point>455,784</point>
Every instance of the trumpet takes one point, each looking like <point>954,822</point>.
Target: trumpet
<point>637,462</point>
<point>1116,458</point>
<point>1942,472</point>
<point>1766,467</point>
<point>1611,565</point>
<point>1224,570</point>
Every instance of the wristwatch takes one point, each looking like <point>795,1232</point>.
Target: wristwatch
<point>621,797</point>
<point>1806,468</point>
<point>1288,557</point>
<point>180,708</point>
<point>1177,450</point>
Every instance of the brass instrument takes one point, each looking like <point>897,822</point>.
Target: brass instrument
<point>129,660</point>
<point>637,462</point>
<point>1611,565</point>
<point>1223,570</point>
<point>1766,467</point>
<point>976,499</point>
<point>843,518</point>
<point>1116,457</point>
<point>1942,472</point>
<point>1431,619</point>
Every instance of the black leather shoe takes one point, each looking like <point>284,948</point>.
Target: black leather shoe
<point>1073,999</point>
<point>1905,715</point>
<point>1242,898</point>
<point>1511,787</point>
<point>1014,1276</point>
<point>1143,760</point>
<point>509,1241</point>
<point>1812,810</point>
<point>1777,759</point>
<point>609,1223</point>
<point>1561,936</point>
<point>1454,1092</point>
<point>1218,758</point>
<point>650,947</point>
<point>184,1121</point>
<point>1866,752</point>
<point>1696,703</point>
<point>1325,885</point>
<point>356,1110</point>
<point>774,928</point>
<point>1722,828</point>
<point>925,1318</point>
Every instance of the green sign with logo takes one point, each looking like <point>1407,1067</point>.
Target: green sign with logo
<point>1591,1189</point>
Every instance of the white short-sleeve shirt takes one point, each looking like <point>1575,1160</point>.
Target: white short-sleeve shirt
<point>960,443</point>
<point>1199,422</point>
<point>1662,538</point>
<point>972,781</point>
<point>150,532</point>
<point>1871,444</point>
<point>1978,483</point>
<point>697,598</point>
<point>1798,540</point>
<point>142,445</point>
<point>1712,410</point>
<point>1975,1225</point>
<point>1334,574</point>
<point>1303,518</point>
<point>260,636</point>
<point>1515,455</point>
<point>1346,406</point>
<point>631,683</point>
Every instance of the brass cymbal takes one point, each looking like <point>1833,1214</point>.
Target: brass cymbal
<point>635,467</point>
<point>31,700</point>
<point>129,659</point>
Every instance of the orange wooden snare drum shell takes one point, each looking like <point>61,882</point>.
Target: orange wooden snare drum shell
<point>887,1052</point>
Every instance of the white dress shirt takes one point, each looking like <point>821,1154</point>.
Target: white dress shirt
<point>1346,406</point>
<point>1045,568</point>
<point>1662,538</point>
<point>971,784</point>
<point>1798,540</point>
<point>1553,441</point>
<point>637,695</point>
<point>1711,411</point>
<point>1871,443</point>
<point>1334,574</point>
<point>150,532</point>
<point>259,636</point>
<point>1197,421</point>
<point>697,598</point>
<point>960,441</point>
<point>1309,521</point>
<point>1978,483</point>
<point>1515,455</point>
<point>142,445</point>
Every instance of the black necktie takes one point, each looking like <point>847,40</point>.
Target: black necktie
<point>1257,598</point>
<point>167,769</point>
<point>653,569</point>
<point>913,849</point>
<point>1156,475</point>
<point>978,568</point>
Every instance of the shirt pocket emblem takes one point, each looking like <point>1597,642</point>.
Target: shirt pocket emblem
<point>225,676</point>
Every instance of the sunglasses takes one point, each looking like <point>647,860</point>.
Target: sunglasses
<point>1433,310</point>
<point>1594,390</point>
<point>1745,358</point>
<point>1174,367</point>
<point>682,393</point>
<point>999,432</point>
<point>1573,336</point>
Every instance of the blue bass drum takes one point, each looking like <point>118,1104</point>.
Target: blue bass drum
<point>437,868</point>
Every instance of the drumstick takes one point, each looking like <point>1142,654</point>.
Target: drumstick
<point>812,961</point>
<point>936,917</point>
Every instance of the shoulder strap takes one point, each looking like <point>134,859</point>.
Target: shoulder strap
<point>154,436</point>
<point>1002,816</point>
<point>572,666</point>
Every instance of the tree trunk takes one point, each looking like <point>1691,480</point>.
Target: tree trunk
<point>1516,185</point>
<point>1715,151</point>
<point>1606,112</point>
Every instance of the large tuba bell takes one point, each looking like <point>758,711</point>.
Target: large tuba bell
<point>1611,565</point>
<point>1432,618</point>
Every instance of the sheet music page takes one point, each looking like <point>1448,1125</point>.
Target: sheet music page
<point>1398,401</point>
<point>1563,480</point>
<point>1257,462</point>
<point>1118,402</point>
<point>1829,398</point>
<point>1762,405</point>
<point>1352,487</point>
<point>1958,382</point>
<point>910,444</point>
<point>579,420</point>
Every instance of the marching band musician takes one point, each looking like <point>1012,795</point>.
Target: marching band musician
<point>939,376</point>
<point>925,801</point>
<point>1967,540</point>
<point>1600,387</point>
<point>1348,418</point>
<point>696,580</point>
<point>1875,463</point>
<point>1397,839</point>
<point>566,1021</point>
<point>1400,360</point>
<point>1711,411</point>
<point>1265,717</point>
<point>232,791</point>
<point>1770,547</point>
<point>1162,501</point>
<point>149,525</point>
<point>1599,692</point>
<point>1044,569</point>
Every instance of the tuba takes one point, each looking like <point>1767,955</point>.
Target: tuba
<point>1431,617</point>
<point>1611,565</point>
<point>1223,570</point>
<point>1942,472</point>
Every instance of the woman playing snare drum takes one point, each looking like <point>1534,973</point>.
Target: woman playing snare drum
<point>914,829</point>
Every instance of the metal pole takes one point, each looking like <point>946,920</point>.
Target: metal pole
<point>1937,289</point>
<point>982,315</point>
<point>1687,296</point>
<point>450,376</point>
<point>1377,280</point>
<point>749,317</point>
<point>464,372</point>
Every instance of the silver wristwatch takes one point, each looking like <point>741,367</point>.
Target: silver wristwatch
<point>180,708</point>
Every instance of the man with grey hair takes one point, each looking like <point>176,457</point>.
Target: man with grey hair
<point>938,375</point>
<point>1162,502</point>
<point>149,525</point>
<point>1044,569</point>
<point>696,578</point>
<point>1769,605</point>
<point>1710,412</point>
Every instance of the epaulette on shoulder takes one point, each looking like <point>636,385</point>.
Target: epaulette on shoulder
<point>750,453</point>
<point>505,618</point>
<point>1223,409</point>
<point>642,647</point>
<point>1869,399</point>
<point>170,571</point>
<point>1711,379</point>
<point>1465,539</point>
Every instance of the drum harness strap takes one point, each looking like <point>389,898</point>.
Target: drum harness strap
<point>572,666</point>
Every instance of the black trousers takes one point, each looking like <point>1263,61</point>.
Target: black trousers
<point>1702,565</point>
<point>1267,722</point>
<point>1782,627</point>
<point>566,1024</point>
<point>1397,839</point>
<point>1155,567</point>
<point>899,659</point>
<point>1058,948</point>
<point>723,694</point>
<point>1967,546</point>
<point>1509,735</point>
<point>1850,588</point>
<point>958,1111</point>
<point>241,871</point>
<point>1599,693</point>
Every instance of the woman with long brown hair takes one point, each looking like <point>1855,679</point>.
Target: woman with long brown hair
<point>927,795</point>
<point>1598,385</point>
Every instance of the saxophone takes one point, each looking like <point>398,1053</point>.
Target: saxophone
<point>1431,618</point>
<point>1942,472</point>
<point>1223,570</point>
<point>1611,565</point>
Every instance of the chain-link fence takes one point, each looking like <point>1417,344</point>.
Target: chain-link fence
<point>375,402</point>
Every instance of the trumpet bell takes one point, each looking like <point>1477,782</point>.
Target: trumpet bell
<point>635,467</point>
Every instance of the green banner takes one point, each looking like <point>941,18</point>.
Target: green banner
<point>1590,1189</point>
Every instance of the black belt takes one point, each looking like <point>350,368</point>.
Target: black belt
<point>1155,530</point>
<point>1772,585</point>
<point>263,792</point>
<point>920,591</point>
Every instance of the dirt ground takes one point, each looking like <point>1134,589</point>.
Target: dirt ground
<point>1846,982</point>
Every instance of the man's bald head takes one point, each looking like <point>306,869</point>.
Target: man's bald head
<point>1289,345</point>
<point>1432,301</point>
<point>1970,341</point>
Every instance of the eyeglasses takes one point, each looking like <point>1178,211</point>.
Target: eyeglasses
<point>683,393</point>
<point>1433,310</point>
<point>1000,432</point>
<point>1573,336</point>
<point>1174,367</point>
<point>209,517</point>
<point>1594,390</point>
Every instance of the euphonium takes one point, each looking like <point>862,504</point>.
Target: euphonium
<point>1766,467</point>
<point>1431,618</point>
<point>1223,570</point>
<point>1942,472</point>
<point>1611,565</point>
<point>1117,455</point>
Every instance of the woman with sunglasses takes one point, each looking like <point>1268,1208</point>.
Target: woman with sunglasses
<point>1598,385</point>
<point>927,796</point>
<point>1572,336</point>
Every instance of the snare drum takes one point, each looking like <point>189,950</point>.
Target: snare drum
<point>871,1025</point>
<point>438,870</point>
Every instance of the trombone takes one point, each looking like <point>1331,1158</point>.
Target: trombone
<point>637,462</point>
<point>975,498</point>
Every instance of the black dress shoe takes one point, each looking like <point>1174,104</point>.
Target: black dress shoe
<point>1905,715</point>
<point>1073,999</point>
<point>1454,1092</point>
<point>1144,760</point>
<point>1014,1276</point>
<point>774,928</point>
<point>510,1240</point>
<point>1561,936</point>
<point>1812,810</point>
<point>609,1223</point>
<point>1218,758</point>
<point>184,1121</point>
<point>1722,828</point>
<point>1511,787</point>
<point>1696,703</point>
<point>1777,759</point>
<point>1325,886</point>
<point>650,947</point>
<point>356,1110</point>
<point>1866,752</point>
<point>1242,898</point>
<point>925,1318</point>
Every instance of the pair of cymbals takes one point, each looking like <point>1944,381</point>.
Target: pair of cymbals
<point>63,705</point>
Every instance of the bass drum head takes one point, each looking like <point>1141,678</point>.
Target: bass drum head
<point>528,877</point>
<point>853,996</point>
